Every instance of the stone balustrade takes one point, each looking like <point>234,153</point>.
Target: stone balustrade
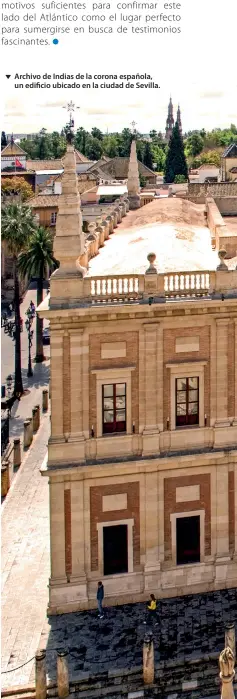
<point>122,287</point>
<point>150,288</point>
<point>131,287</point>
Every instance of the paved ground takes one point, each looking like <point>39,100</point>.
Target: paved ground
<point>25,562</point>
<point>33,386</point>
<point>192,625</point>
<point>7,344</point>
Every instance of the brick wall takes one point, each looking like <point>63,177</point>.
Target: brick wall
<point>171,356</point>
<point>97,515</point>
<point>170,506</point>
<point>95,362</point>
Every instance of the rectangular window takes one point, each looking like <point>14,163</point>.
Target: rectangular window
<point>115,544</point>
<point>187,401</point>
<point>114,408</point>
<point>53,218</point>
<point>188,540</point>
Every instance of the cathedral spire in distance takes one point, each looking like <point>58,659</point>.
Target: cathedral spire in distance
<point>179,119</point>
<point>169,121</point>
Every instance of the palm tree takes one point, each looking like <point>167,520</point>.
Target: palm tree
<point>38,261</point>
<point>17,225</point>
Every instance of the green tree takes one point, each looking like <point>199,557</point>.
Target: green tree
<point>147,158</point>
<point>59,144</point>
<point>38,261</point>
<point>96,133</point>
<point>125,140</point>
<point>17,226</point>
<point>195,144</point>
<point>13,186</point>
<point>93,149</point>
<point>142,180</point>
<point>3,140</point>
<point>110,146</point>
<point>175,162</point>
<point>179,179</point>
<point>80,139</point>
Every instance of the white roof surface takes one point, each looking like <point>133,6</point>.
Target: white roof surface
<point>178,247</point>
<point>104,189</point>
<point>48,172</point>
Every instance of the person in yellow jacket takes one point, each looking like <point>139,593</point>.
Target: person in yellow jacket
<point>152,611</point>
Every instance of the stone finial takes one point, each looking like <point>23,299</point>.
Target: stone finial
<point>151,269</point>
<point>230,637</point>
<point>227,673</point>
<point>148,659</point>
<point>222,255</point>
<point>133,179</point>
<point>69,236</point>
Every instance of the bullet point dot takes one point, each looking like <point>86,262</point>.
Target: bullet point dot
<point>55,41</point>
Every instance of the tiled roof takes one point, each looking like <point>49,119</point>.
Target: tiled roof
<point>207,166</point>
<point>118,168</point>
<point>44,165</point>
<point>44,200</point>
<point>12,149</point>
<point>230,151</point>
<point>55,164</point>
<point>233,169</point>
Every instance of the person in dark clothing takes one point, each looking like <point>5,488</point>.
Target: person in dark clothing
<point>151,611</point>
<point>100,597</point>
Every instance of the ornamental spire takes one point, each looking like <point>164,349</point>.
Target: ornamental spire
<point>169,121</point>
<point>133,179</point>
<point>69,237</point>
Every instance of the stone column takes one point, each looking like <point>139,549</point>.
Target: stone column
<point>235,379</point>
<point>57,531</point>
<point>45,400</point>
<point>151,528</point>
<point>27,433</point>
<point>62,674</point>
<point>78,540</point>
<point>76,359</point>
<point>85,384</point>
<point>222,513</point>
<point>213,374</point>
<point>56,385</point>
<point>160,378</point>
<point>151,427</point>
<point>40,675</point>
<point>17,453</point>
<point>222,373</point>
<point>35,419</point>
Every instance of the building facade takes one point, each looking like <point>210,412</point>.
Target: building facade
<point>229,163</point>
<point>142,460</point>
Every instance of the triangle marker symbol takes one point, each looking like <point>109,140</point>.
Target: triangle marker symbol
<point>8,76</point>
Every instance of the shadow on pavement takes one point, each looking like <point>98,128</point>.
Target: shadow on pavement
<point>187,626</point>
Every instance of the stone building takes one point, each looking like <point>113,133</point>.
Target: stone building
<point>229,163</point>
<point>142,459</point>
